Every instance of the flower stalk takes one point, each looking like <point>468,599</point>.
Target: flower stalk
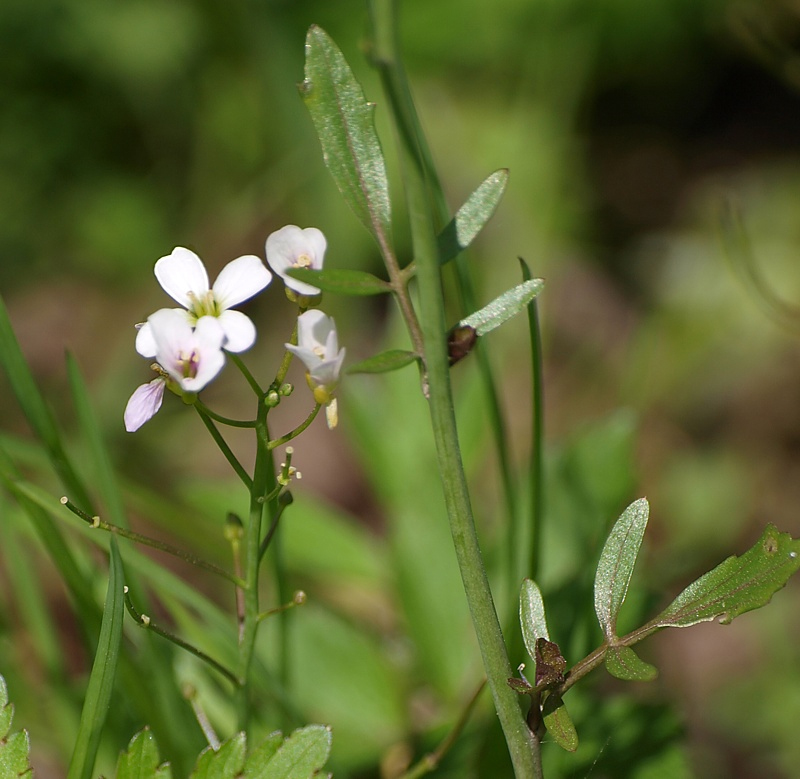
<point>434,330</point>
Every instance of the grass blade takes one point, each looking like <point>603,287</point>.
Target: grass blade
<point>104,669</point>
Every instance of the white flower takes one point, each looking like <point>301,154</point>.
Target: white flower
<point>144,403</point>
<point>291,247</point>
<point>318,348</point>
<point>183,277</point>
<point>191,356</point>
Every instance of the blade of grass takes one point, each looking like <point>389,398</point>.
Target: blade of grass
<point>101,681</point>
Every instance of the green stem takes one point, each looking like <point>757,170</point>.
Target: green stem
<point>154,543</point>
<point>430,762</point>
<point>224,448</point>
<point>284,439</point>
<point>254,385</point>
<point>221,419</point>
<point>249,628</point>
<point>434,328</point>
<point>145,622</point>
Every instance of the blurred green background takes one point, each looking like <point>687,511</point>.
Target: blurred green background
<point>629,128</point>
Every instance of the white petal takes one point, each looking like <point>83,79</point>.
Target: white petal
<point>309,358</point>
<point>284,246</point>
<point>143,404</point>
<point>313,328</point>
<point>326,372</point>
<point>240,332</point>
<point>239,280</point>
<point>180,273</point>
<point>316,241</point>
<point>172,334</point>
<point>145,343</point>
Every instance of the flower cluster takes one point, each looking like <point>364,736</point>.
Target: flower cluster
<point>188,344</point>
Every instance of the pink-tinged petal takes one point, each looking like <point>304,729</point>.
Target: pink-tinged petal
<point>240,332</point>
<point>143,404</point>
<point>239,280</point>
<point>172,334</point>
<point>181,273</point>
<point>207,343</point>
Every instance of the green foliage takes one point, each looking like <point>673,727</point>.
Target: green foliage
<point>141,759</point>
<point>737,585</point>
<point>472,217</point>
<point>101,681</point>
<point>226,761</point>
<point>616,565</point>
<point>502,308</point>
<point>532,616</point>
<point>14,747</point>
<point>346,128</point>
<point>341,282</point>
<point>559,723</point>
<point>300,756</point>
<point>390,360</point>
<point>625,664</point>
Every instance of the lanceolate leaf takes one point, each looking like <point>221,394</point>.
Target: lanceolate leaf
<point>559,724</point>
<point>624,663</point>
<point>472,216</point>
<point>345,125</point>
<point>737,585</point>
<point>531,615</point>
<point>616,564</point>
<point>101,680</point>
<point>503,308</point>
<point>390,360</point>
<point>343,282</point>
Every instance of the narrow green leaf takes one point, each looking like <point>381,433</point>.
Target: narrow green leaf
<point>472,216</point>
<point>504,307</point>
<point>624,663</point>
<point>390,360</point>
<point>101,680</point>
<point>36,411</point>
<point>345,124</point>
<point>532,616</point>
<point>141,760</point>
<point>738,584</point>
<point>616,565</point>
<point>257,765</point>
<point>226,762</point>
<point>559,723</point>
<point>303,754</point>
<point>342,282</point>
